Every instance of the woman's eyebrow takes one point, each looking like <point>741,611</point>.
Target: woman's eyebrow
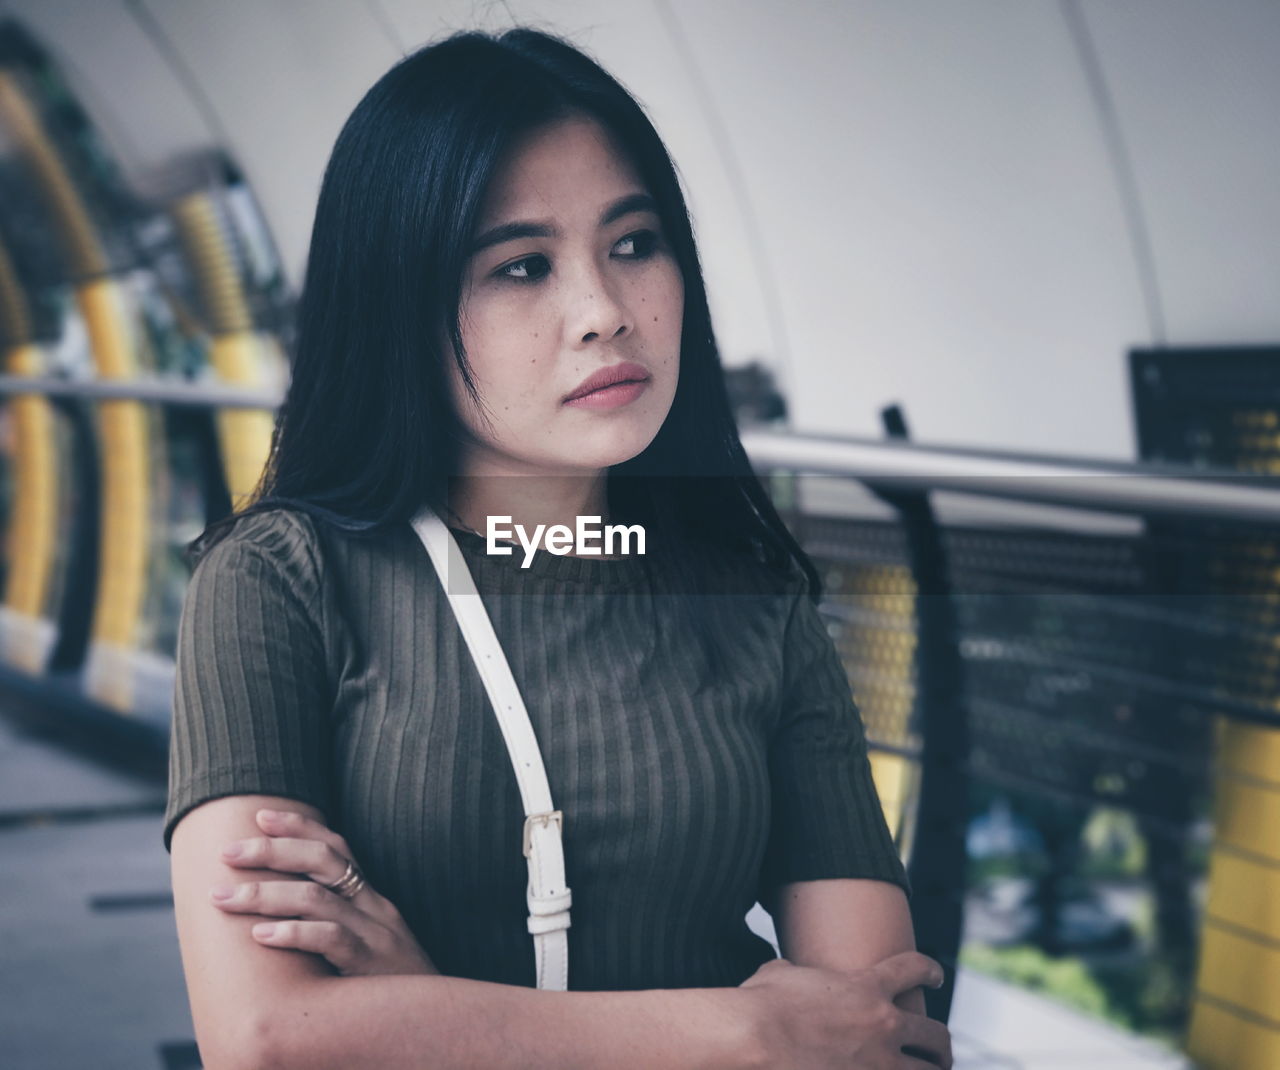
<point>633,202</point>
<point>504,232</point>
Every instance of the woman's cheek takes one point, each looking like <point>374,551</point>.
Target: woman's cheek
<point>669,308</point>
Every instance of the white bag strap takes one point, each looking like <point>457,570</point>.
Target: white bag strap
<point>547,894</point>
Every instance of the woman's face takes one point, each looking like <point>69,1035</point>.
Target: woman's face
<point>570,274</point>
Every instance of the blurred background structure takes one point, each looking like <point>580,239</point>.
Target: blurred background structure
<point>1044,234</point>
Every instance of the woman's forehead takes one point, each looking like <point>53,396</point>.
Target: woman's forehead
<point>574,166</point>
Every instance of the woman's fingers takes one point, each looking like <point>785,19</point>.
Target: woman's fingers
<point>285,899</point>
<point>298,844</point>
<point>317,920</point>
<point>312,858</point>
<point>299,826</point>
<point>358,934</point>
<point>343,948</point>
<point>924,1038</point>
<point>906,970</point>
<point>309,858</point>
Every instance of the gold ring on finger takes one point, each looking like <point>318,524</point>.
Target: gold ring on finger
<point>349,883</point>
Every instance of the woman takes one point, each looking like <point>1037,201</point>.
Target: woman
<point>498,226</point>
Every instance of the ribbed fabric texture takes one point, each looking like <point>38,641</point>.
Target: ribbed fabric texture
<point>331,670</point>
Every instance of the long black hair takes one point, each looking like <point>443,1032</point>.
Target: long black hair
<point>367,433</point>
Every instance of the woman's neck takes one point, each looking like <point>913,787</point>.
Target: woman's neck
<point>528,500</point>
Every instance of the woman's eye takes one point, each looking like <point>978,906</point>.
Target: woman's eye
<point>533,268</point>
<point>526,269</point>
<point>636,246</point>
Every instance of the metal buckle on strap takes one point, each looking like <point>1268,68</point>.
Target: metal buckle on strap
<point>543,819</point>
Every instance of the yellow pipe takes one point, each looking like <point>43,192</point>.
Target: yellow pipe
<point>33,515</point>
<point>1244,892</point>
<point>1235,1020</point>
<point>1222,1039</point>
<point>1248,816</point>
<point>1252,750</point>
<point>67,211</point>
<point>126,492</point>
<point>890,592</point>
<point>237,351</point>
<point>32,537</point>
<point>124,429</point>
<point>1242,972</point>
<point>244,435</point>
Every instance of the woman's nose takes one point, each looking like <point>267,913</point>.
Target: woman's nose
<point>597,313</point>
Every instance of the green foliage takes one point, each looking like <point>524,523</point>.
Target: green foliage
<point>983,870</point>
<point>1114,848</point>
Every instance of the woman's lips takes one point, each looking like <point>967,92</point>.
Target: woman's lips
<point>609,376</point>
<point>611,397</point>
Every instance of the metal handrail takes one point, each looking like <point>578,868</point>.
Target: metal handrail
<point>1106,486</point>
<point>1083,483</point>
<point>155,390</point>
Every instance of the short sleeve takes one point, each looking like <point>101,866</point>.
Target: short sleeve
<point>827,821</point>
<point>250,708</point>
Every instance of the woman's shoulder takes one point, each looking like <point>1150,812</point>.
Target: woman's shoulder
<point>286,538</point>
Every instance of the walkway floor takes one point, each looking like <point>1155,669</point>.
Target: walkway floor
<point>90,974</point>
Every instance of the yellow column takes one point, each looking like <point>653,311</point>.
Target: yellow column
<point>887,697</point>
<point>237,351</point>
<point>123,436</point>
<point>1235,1021</point>
<point>27,631</point>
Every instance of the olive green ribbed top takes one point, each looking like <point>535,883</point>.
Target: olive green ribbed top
<point>331,669</point>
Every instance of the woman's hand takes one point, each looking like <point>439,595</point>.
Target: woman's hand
<point>362,935</point>
<point>808,1018</point>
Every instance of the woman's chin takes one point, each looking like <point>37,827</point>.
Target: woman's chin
<point>613,445</point>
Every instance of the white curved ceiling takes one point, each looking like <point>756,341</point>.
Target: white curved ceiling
<point>974,209</point>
